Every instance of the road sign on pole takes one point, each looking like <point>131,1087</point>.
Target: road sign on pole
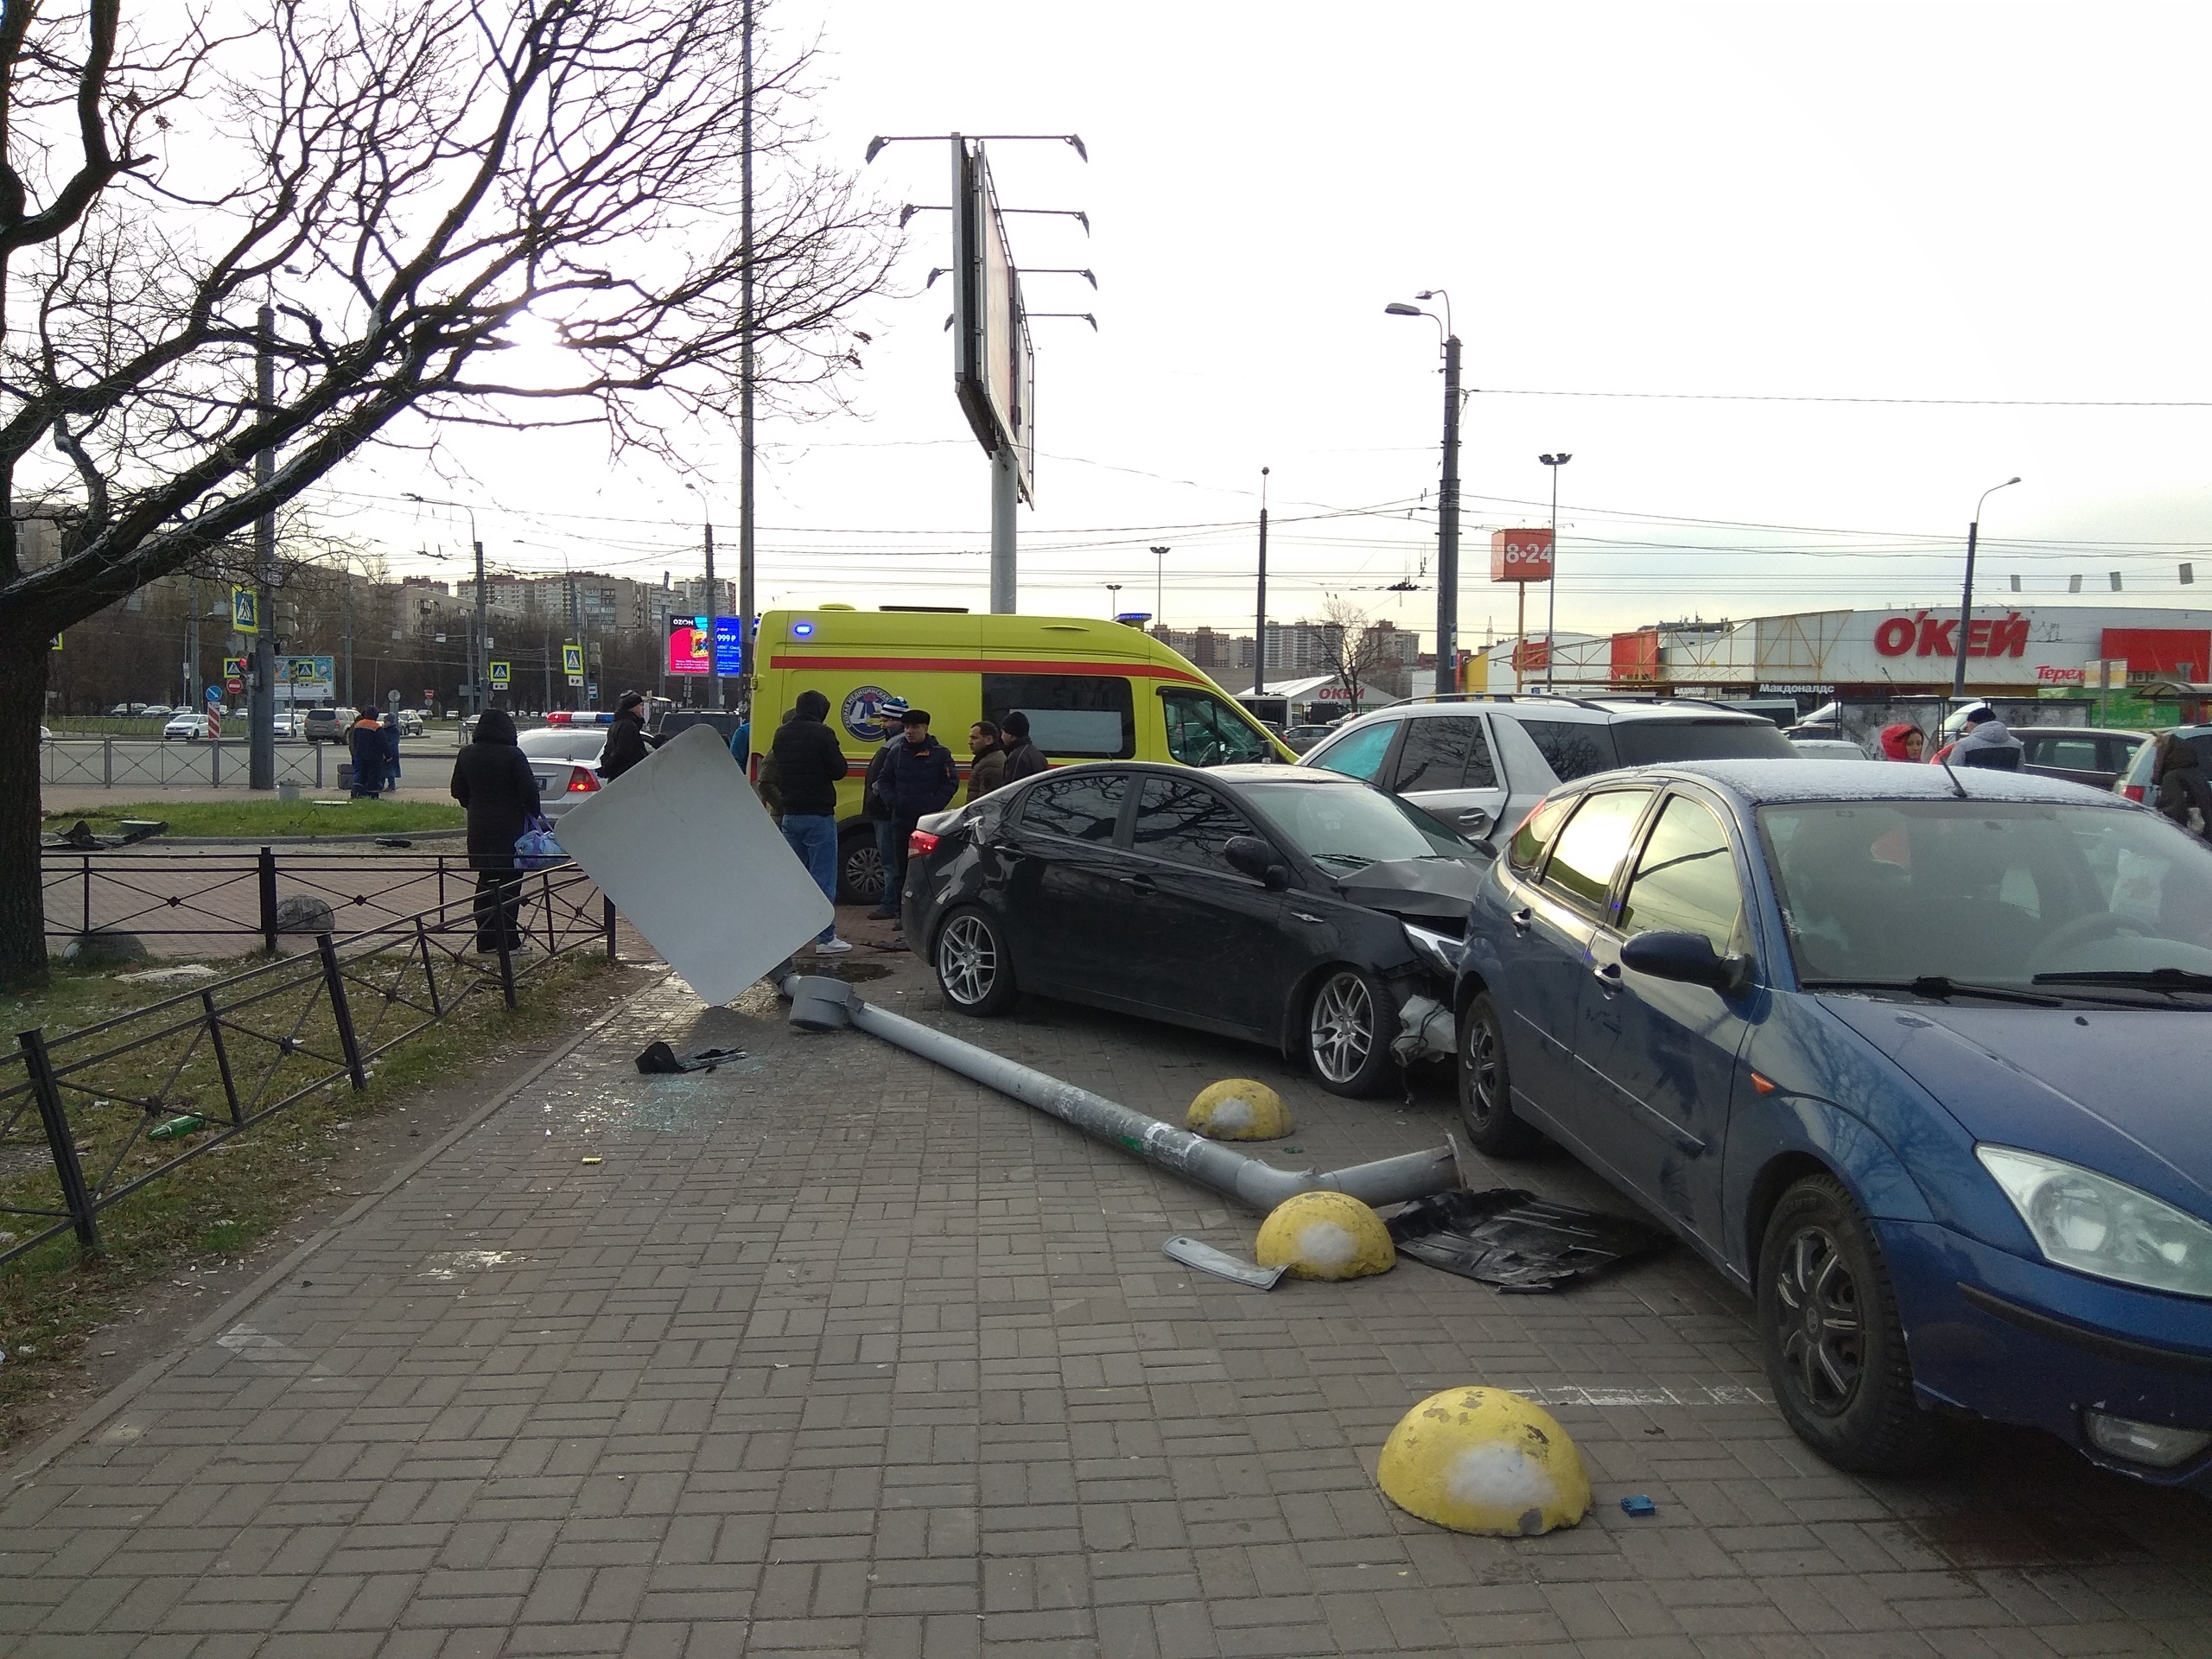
<point>501,674</point>
<point>246,610</point>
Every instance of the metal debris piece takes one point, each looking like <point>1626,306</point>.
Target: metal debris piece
<point>1193,1254</point>
<point>1516,1241</point>
<point>1637,1504</point>
<point>660,1057</point>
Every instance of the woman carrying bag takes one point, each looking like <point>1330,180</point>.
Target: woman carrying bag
<point>493,781</point>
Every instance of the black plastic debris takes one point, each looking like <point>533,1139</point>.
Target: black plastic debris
<point>79,837</point>
<point>1516,1241</point>
<point>660,1057</point>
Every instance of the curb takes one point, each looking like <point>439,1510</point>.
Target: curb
<point>32,1462</point>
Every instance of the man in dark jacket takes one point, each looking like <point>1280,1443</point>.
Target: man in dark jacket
<point>493,781</point>
<point>625,738</point>
<point>987,771</point>
<point>388,732</point>
<point>890,718</point>
<point>1023,758</point>
<point>808,765</point>
<point>2182,784</point>
<point>920,777</point>
<point>365,741</point>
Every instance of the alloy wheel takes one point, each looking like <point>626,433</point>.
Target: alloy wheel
<point>1342,1032</point>
<point>1823,1332</point>
<point>1479,1071</point>
<point>864,873</point>
<point>966,960</point>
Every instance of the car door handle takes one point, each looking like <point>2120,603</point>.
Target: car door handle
<point>1143,884</point>
<point>1301,916</point>
<point>1522,920</point>
<point>1607,974</point>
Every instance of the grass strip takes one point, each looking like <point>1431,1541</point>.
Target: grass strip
<point>249,819</point>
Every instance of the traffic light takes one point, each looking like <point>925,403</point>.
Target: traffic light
<point>288,622</point>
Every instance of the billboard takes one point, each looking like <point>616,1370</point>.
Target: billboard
<point>687,646</point>
<point>994,364</point>
<point>1519,555</point>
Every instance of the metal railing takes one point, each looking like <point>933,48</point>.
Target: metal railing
<point>222,895</point>
<point>133,763</point>
<point>88,1118</point>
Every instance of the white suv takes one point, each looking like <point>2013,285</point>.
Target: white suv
<point>1478,762</point>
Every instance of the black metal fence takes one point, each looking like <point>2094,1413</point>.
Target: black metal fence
<point>184,896</point>
<point>88,1118</point>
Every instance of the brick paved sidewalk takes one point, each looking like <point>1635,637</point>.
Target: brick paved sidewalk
<point>832,1352</point>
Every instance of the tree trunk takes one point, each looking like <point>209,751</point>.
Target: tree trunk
<point>23,701</point>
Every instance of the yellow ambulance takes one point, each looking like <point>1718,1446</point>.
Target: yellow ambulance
<point>1093,691</point>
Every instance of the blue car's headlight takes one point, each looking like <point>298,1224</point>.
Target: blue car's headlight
<point>2095,1224</point>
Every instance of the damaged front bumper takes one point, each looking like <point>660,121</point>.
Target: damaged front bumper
<point>1425,1028</point>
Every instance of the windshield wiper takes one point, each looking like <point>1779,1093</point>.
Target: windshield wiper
<point>1938,987</point>
<point>2149,979</point>
<point>1349,858</point>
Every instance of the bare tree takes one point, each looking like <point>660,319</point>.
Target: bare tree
<point>505,212</point>
<point>1351,645</point>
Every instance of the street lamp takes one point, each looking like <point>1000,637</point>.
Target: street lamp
<point>1447,498</point>
<point>1551,588</point>
<point>1965,599</point>
<point>1113,599</point>
<point>1159,589</point>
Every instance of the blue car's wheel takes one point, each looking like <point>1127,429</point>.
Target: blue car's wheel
<point>1486,1087</point>
<point>1834,1350</point>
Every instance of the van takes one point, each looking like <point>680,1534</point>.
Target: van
<point>1093,691</point>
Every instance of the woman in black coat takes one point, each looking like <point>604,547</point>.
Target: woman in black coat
<point>492,779</point>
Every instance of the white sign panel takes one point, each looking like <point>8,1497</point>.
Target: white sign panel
<point>684,848</point>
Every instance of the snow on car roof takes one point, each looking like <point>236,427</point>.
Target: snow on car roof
<point>1763,782</point>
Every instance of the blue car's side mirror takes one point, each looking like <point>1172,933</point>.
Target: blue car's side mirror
<point>1688,958</point>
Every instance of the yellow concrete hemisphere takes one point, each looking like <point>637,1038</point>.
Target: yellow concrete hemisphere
<point>1238,1108</point>
<point>1485,1460</point>
<point>1326,1235</point>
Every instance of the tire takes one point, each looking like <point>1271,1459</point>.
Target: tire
<point>1351,1022</point>
<point>860,868</point>
<point>1486,1087</point>
<point>969,959</point>
<point>1829,1327</point>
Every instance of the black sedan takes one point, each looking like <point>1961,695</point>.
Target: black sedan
<point>1298,907</point>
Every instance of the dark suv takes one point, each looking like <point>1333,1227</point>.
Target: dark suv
<point>1477,761</point>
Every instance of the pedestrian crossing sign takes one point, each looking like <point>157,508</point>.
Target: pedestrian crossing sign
<point>246,610</point>
<point>500,673</point>
<point>572,660</point>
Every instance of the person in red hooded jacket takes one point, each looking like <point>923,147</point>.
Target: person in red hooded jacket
<point>1903,742</point>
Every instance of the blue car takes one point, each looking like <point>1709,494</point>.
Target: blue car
<point>1917,1057</point>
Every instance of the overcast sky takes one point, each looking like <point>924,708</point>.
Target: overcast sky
<point>1935,201</point>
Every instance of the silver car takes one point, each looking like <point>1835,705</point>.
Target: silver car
<point>565,761</point>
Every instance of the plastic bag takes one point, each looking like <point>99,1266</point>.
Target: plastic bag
<point>537,848</point>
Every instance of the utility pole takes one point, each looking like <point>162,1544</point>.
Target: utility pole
<point>192,646</point>
<point>1966,599</point>
<point>346,626</point>
<point>1551,587</point>
<point>1260,641</point>
<point>481,654</point>
<point>1159,589</point>
<point>714,605</point>
<point>575,630</point>
<point>261,710</point>
<point>1447,531</point>
<point>745,598</point>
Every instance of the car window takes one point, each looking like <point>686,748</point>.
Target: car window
<point>1685,879</point>
<point>1573,748</point>
<point>2068,753</point>
<point>1536,833</point>
<point>1186,824</point>
<point>1590,847</point>
<point>1084,806</point>
<point>1076,717</point>
<point>2118,752</point>
<point>1206,730</point>
<point>1646,742</point>
<point>1443,752</point>
<point>1343,828</point>
<point>1360,753</point>
<point>1985,891</point>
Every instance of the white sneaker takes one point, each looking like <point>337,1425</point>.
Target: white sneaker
<point>832,947</point>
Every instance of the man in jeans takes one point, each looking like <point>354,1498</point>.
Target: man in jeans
<point>808,765</point>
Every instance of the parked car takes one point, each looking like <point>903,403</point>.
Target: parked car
<point>1827,748</point>
<point>1915,1060</point>
<point>565,761</point>
<point>1480,763</point>
<point>191,728</point>
<point>410,722</point>
<point>1302,738</point>
<point>2136,783</point>
<point>159,711</point>
<point>2079,755</point>
<point>324,725</point>
<point>1297,908</point>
